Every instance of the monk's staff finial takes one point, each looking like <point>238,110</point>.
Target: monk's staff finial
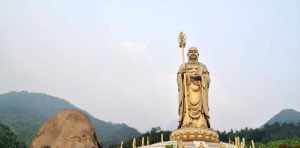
<point>181,41</point>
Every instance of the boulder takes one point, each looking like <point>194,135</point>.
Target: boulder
<point>69,128</point>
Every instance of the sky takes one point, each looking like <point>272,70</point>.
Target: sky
<point>118,59</point>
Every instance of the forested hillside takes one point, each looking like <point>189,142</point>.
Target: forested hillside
<point>285,116</point>
<point>273,134</point>
<point>25,112</point>
<point>8,138</point>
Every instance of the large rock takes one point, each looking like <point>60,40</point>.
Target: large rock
<point>69,128</point>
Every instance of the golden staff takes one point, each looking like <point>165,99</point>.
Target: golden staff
<point>181,41</point>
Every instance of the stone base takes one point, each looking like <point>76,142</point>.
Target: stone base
<point>197,144</point>
<point>189,144</point>
<point>195,134</point>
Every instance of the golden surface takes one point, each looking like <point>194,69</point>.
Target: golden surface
<point>193,83</point>
<point>195,134</point>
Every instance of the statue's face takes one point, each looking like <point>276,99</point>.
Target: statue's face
<point>193,54</point>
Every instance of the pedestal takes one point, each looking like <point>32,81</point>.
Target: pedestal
<point>195,134</point>
<point>189,144</point>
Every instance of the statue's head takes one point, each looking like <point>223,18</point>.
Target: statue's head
<point>193,55</point>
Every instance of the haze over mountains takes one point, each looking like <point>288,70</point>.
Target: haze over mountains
<point>285,116</point>
<point>25,112</point>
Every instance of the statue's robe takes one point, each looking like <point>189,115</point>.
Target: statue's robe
<point>193,95</point>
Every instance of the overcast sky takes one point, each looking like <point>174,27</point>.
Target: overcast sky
<point>117,59</point>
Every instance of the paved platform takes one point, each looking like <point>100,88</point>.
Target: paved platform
<point>190,144</point>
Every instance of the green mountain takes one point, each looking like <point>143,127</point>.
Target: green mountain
<point>285,116</point>
<point>25,112</point>
<point>8,139</point>
<point>282,127</point>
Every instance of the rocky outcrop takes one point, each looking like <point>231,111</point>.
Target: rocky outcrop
<point>69,128</point>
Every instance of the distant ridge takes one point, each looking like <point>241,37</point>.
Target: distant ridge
<point>24,112</point>
<point>285,116</point>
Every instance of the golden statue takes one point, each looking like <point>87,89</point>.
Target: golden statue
<point>193,83</point>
